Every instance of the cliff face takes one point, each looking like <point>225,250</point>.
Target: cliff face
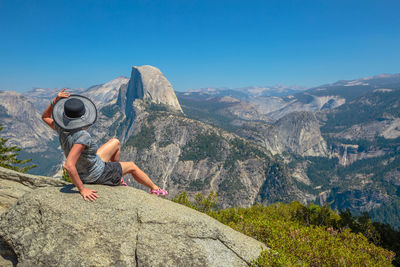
<point>180,153</point>
<point>106,94</point>
<point>149,84</point>
<point>22,124</point>
<point>297,133</point>
<point>300,134</point>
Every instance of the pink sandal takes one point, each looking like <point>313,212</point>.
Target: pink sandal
<point>159,192</point>
<point>123,183</point>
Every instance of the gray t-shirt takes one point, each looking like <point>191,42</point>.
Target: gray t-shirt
<point>89,165</point>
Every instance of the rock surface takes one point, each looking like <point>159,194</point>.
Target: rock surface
<point>123,227</point>
<point>15,184</point>
<point>299,133</point>
<point>106,94</point>
<point>148,83</point>
<point>22,124</point>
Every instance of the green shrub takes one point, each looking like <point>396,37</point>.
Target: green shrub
<point>298,235</point>
<point>201,203</point>
<point>293,243</point>
<point>315,215</point>
<point>306,246</point>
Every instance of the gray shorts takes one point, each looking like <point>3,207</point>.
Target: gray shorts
<point>111,175</point>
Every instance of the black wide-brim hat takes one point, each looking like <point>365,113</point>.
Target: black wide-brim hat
<point>69,124</point>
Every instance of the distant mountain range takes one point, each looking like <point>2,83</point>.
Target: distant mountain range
<point>335,144</point>
<point>247,92</point>
<point>271,103</point>
<point>341,141</point>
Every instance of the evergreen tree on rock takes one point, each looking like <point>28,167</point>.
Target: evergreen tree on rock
<point>8,157</point>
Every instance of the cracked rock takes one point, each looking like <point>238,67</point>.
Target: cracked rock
<point>125,226</point>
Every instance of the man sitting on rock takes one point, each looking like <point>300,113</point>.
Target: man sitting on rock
<point>71,116</point>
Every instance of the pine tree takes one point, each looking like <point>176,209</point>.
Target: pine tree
<point>8,157</point>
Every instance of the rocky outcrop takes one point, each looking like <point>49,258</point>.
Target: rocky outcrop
<point>300,133</point>
<point>14,184</point>
<point>106,94</point>
<point>306,102</point>
<point>149,84</point>
<point>123,227</point>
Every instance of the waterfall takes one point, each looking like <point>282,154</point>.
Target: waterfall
<point>344,159</point>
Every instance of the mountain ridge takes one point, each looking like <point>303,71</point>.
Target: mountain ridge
<point>322,141</point>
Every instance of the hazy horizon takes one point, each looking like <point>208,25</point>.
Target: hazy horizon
<point>299,87</point>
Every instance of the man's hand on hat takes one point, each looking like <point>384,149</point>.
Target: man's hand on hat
<point>60,95</point>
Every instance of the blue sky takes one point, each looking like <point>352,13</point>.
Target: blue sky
<point>197,43</point>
